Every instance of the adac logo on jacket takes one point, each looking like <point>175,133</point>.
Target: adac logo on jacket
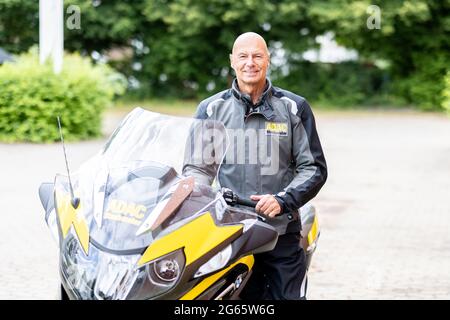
<point>276,128</point>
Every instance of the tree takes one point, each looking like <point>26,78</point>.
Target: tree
<point>189,40</point>
<point>19,24</point>
<point>414,37</point>
<point>105,24</point>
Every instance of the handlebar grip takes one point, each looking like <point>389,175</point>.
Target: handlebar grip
<point>246,202</point>
<point>249,203</point>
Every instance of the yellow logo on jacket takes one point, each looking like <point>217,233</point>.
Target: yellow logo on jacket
<point>277,128</point>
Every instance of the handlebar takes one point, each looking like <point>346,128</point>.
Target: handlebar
<point>246,202</point>
<point>232,199</point>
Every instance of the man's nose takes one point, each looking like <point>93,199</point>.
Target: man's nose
<point>250,61</point>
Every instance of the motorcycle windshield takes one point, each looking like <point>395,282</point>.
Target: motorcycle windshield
<point>126,190</point>
<point>169,140</point>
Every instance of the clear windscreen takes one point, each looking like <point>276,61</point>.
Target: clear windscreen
<point>125,187</point>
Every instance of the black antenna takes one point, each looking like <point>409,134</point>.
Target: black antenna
<point>75,201</point>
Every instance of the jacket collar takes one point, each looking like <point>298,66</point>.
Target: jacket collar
<point>263,105</point>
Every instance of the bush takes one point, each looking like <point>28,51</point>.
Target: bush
<point>446,94</point>
<point>424,86</point>
<point>32,96</point>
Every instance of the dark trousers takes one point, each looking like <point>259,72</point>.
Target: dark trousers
<point>279,274</point>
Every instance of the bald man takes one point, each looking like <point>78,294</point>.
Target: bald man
<point>275,158</point>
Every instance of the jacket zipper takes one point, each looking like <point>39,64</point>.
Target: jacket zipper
<point>245,122</point>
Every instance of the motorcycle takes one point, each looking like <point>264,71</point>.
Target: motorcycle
<point>129,226</point>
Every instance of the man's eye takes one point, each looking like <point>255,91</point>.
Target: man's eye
<point>242,56</point>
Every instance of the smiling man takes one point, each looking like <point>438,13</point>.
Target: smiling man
<point>260,117</point>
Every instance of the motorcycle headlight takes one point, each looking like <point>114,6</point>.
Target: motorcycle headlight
<point>215,263</point>
<point>167,270</point>
<point>102,275</point>
<point>162,275</point>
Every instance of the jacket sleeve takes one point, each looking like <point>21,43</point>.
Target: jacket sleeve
<point>193,164</point>
<point>310,164</point>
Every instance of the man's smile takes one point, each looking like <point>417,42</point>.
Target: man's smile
<point>251,73</point>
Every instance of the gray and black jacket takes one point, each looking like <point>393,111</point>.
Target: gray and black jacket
<point>281,123</point>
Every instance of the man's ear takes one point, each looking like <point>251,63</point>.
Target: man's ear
<point>231,60</point>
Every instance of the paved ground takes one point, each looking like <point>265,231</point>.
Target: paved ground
<point>385,210</point>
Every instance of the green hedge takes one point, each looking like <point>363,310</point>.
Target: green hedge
<point>446,94</point>
<point>32,96</point>
<point>424,86</point>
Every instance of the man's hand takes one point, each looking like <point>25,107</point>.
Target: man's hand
<point>267,205</point>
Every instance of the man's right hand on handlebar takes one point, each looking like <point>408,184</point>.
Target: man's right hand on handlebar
<point>267,205</point>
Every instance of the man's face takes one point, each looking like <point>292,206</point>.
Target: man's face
<point>250,61</point>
